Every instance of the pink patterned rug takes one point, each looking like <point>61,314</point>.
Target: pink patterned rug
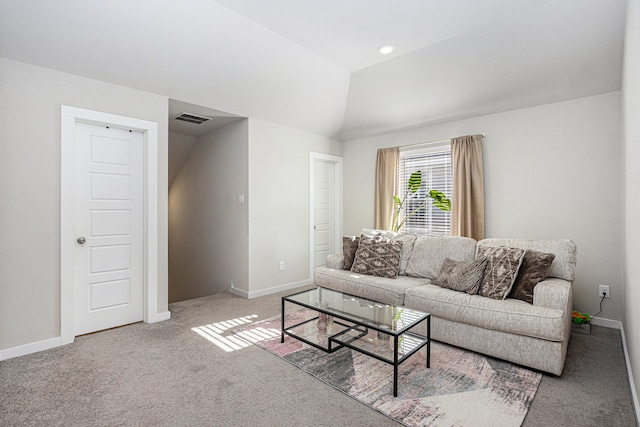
<point>461,388</point>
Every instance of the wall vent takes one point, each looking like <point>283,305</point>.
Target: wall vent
<point>192,118</point>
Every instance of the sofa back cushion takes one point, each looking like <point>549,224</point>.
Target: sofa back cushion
<point>564,263</point>
<point>429,253</point>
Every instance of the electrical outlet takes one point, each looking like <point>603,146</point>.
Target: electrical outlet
<point>602,290</point>
<point>281,265</point>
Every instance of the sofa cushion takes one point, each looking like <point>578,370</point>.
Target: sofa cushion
<point>510,315</point>
<point>377,256</point>
<point>382,233</point>
<point>564,264</point>
<point>463,276</point>
<point>502,268</point>
<point>430,252</point>
<point>335,261</point>
<point>349,247</point>
<point>533,270</point>
<point>375,288</point>
<point>408,241</point>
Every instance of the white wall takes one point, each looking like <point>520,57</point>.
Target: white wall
<point>551,171</point>
<point>215,241</point>
<point>179,146</point>
<point>279,204</point>
<point>208,228</point>
<point>30,100</point>
<point>631,94</point>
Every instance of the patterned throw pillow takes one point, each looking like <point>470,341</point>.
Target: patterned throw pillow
<point>534,269</point>
<point>377,256</point>
<point>463,276</point>
<point>502,268</point>
<point>349,247</point>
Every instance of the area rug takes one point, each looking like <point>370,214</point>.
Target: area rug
<point>461,388</point>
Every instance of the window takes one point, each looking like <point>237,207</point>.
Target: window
<point>435,165</point>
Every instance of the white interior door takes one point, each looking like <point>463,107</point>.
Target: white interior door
<point>108,224</point>
<point>324,210</point>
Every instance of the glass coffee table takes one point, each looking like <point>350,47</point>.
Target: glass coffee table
<point>329,320</point>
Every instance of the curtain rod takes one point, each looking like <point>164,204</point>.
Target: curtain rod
<point>433,142</point>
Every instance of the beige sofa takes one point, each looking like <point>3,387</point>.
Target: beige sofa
<point>534,335</point>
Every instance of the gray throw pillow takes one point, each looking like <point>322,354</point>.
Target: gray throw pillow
<point>408,240</point>
<point>349,247</point>
<point>534,269</point>
<point>463,276</point>
<point>377,256</point>
<point>502,268</point>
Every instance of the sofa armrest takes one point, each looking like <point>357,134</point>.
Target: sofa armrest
<point>554,293</point>
<point>335,261</point>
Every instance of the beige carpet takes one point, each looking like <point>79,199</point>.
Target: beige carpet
<point>166,374</point>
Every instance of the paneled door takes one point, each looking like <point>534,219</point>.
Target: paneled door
<point>108,225</point>
<point>324,210</point>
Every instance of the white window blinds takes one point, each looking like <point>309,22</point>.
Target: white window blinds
<point>435,165</point>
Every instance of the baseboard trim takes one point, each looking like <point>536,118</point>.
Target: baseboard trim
<point>607,323</point>
<point>159,317</point>
<point>240,292</point>
<point>269,291</point>
<point>634,394</point>
<point>34,347</point>
<point>48,344</point>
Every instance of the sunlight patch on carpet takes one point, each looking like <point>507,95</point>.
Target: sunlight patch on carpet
<point>221,335</point>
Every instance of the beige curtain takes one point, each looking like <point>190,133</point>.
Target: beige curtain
<point>467,206</point>
<point>386,169</point>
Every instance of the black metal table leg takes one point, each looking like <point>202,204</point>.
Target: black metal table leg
<point>395,366</point>
<point>282,323</point>
<point>429,341</point>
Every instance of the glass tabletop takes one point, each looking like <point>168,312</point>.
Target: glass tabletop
<point>391,319</point>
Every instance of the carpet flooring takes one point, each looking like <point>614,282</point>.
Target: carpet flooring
<point>168,374</point>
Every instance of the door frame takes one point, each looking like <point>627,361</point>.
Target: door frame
<point>337,241</point>
<point>71,116</point>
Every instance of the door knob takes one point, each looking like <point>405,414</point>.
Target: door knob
<point>81,240</point>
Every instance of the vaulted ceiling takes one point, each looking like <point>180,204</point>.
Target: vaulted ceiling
<point>314,65</point>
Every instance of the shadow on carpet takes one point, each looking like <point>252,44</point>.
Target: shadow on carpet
<point>461,388</point>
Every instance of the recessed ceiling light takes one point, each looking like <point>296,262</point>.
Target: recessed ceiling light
<point>386,49</point>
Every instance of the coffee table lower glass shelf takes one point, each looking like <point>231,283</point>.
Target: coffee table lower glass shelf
<point>378,330</point>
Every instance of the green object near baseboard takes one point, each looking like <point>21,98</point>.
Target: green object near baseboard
<point>580,318</point>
